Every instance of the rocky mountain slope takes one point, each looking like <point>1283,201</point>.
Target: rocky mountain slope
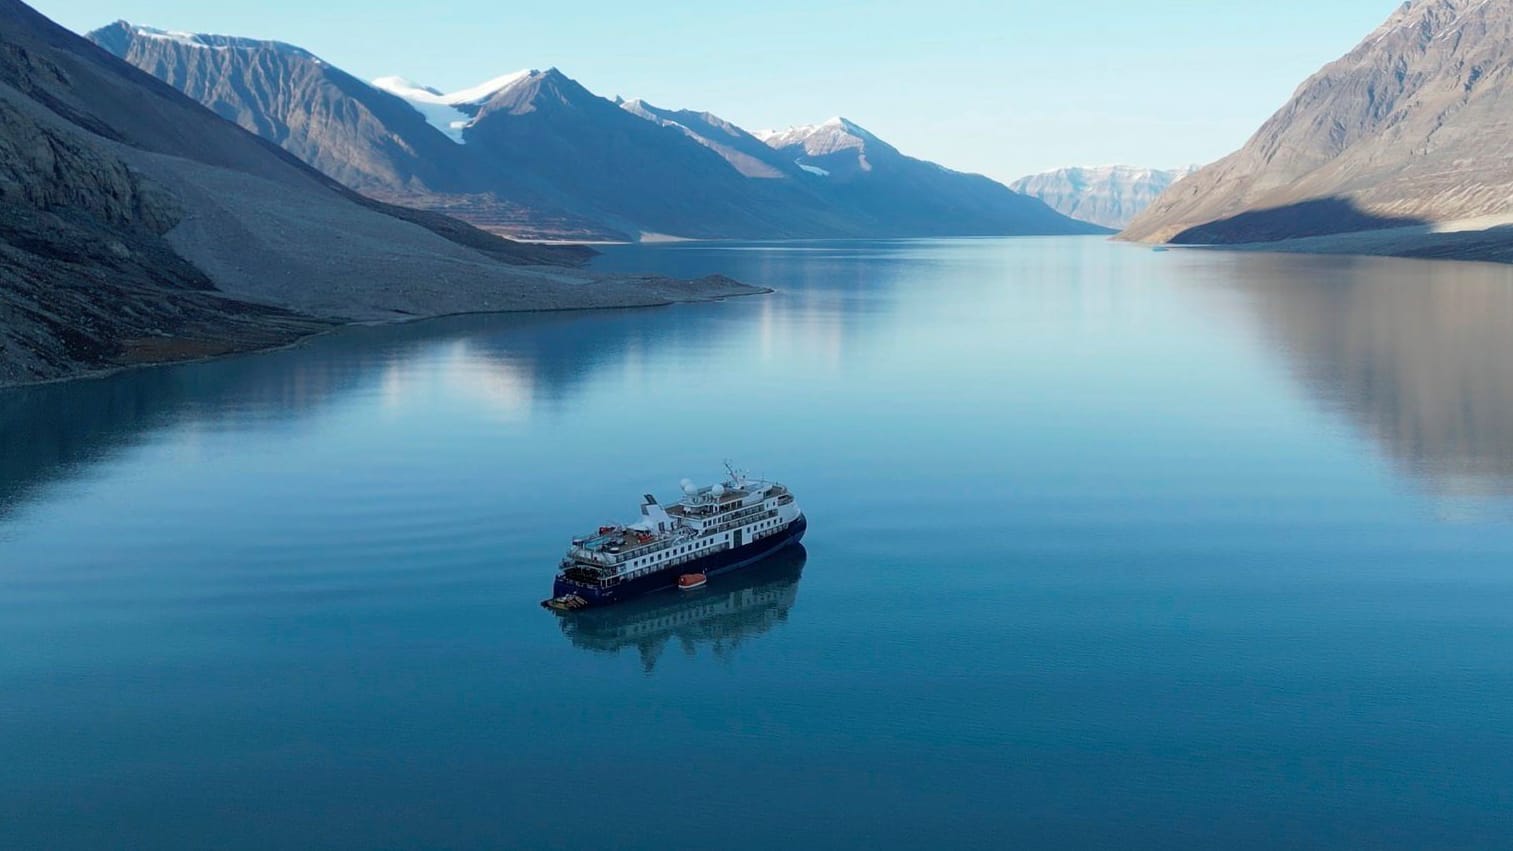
<point>746,153</point>
<point>536,153</point>
<point>1110,195</point>
<point>906,196</point>
<point>1413,126</point>
<point>136,225</point>
<point>641,177</point>
<point>381,141</point>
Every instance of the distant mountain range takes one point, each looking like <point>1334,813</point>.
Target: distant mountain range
<point>536,154</point>
<point>1110,195</point>
<point>1411,129</point>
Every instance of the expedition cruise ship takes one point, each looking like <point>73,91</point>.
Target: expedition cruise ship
<point>710,530</point>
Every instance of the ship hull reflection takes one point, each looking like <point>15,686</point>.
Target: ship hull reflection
<point>732,608</point>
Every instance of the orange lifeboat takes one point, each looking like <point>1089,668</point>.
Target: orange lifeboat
<point>690,581</point>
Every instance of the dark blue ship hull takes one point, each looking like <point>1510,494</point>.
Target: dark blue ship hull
<point>721,562</point>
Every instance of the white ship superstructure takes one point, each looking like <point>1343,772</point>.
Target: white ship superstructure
<point>711,529</point>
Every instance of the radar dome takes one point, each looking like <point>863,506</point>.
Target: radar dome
<point>718,491</point>
<point>689,487</point>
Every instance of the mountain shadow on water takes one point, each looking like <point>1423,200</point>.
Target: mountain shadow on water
<point>58,431</point>
<point>1318,217</point>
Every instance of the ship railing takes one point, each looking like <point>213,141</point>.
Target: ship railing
<point>742,520</point>
<point>610,559</point>
<point>745,517</point>
<point>661,566</point>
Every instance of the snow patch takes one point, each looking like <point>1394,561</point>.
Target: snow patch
<point>486,90</point>
<point>167,35</point>
<point>448,112</point>
<point>812,169</point>
<point>826,137</point>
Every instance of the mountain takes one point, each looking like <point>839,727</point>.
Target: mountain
<point>388,141</point>
<point>746,153</point>
<point>637,175</point>
<point>138,226</point>
<point>1411,128</point>
<point>1110,195</point>
<point>534,153</point>
<point>450,113</point>
<point>902,195</point>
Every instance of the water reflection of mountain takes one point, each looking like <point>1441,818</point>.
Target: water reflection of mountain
<point>1419,355</point>
<point>732,608</point>
<point>60,430</point>
<point>516,361</point>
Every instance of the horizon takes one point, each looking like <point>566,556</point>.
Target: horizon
<point>1119,109</point>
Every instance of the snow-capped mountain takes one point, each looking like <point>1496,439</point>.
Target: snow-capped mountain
<point>1108,195</point>
<point>450,113</point>
<point>373,141</point>
<point>832,148</point>
<point>132,214</point>
<point>534,153</point>
<point>874,179</point>
<point>637,176</point>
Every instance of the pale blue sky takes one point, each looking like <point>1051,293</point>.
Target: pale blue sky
<point>1004,88</point>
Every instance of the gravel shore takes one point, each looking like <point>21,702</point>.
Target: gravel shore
<point>323,260</point>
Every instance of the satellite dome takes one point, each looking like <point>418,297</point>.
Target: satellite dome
<point>718,491</point>
<point>689,487</point>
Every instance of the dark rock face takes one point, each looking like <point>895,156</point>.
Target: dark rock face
<point>86,280</point>
<point>1415,123</point>
<point>1324,217</point>
<point>540,155</point>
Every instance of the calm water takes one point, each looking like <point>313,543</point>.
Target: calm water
<point>1108,548</point>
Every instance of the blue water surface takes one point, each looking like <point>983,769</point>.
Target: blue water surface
<point>1108,548</point>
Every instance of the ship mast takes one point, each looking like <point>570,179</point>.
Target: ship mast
<point>737,476</point>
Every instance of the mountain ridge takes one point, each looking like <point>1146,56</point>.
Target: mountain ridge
<point>137,226</point>
<point>1410,127</point>
<point>1108,195</point>
<point>537,154</point>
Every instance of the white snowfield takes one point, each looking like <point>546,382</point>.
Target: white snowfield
<point>449,112</point>
<point>823,138</point>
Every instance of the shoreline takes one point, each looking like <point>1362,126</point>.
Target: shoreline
<point>1264,248</point>
<point>740,290</point>
<point>1486,239</point>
